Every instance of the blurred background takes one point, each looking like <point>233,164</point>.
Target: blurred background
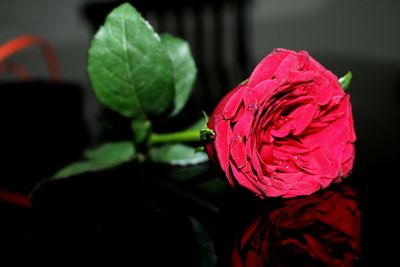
<point>347,32</point>
<point>228,38</point>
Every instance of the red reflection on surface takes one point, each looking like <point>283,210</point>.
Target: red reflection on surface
<point>322,229</point>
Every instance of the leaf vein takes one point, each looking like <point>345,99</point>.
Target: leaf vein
<point>128,67</point>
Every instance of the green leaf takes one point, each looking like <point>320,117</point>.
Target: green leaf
<point>116,151</point>
<point>81,167</point>
<point>129,68</point>
<point>184,69</point>
<point>346,80</point>
<point>177,154</point>
<point>106,156</point>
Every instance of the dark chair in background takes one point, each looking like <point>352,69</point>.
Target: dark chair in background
<point>216,31</point>
<point>42,128</point>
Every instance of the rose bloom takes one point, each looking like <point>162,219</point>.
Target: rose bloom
<point>318,230</point>
<point>286,131</point>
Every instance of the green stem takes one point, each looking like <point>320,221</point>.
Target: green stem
<point>184,136</point>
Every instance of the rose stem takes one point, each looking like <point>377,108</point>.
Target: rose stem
<point>184,136</point>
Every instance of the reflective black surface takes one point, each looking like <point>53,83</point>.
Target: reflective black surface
<point>127,214</point>
<point>322,229</point>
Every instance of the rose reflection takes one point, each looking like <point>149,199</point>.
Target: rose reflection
<point>322,229</point>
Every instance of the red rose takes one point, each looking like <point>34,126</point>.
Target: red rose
<point>318,230</point>
<point>287,130</point>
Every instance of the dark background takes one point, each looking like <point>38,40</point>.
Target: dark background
<point>347,31</point>
<point>359,35</point>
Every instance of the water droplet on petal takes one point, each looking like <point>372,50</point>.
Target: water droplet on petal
<point>252,107</point>
<point>280,121</point>
<point>336,99</point>
<point>283,118</point>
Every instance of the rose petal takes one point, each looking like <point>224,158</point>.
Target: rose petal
<point>303,117</point>
<point>284,130</point>
<point>260,93</point>
<point>303,188</point>
<point>230,177</point>
<point>289,178</point>
<point>246,180</point>
<point>266,68</point>
<point>249,232</point>
<point>317,249</point>
<point>280,185</point>
<point>255,163</point>
<point>221,142</point>
<point>231,107</point>
<point>348,159</point>
<point>290,63</point>
<point>312,64</point>
<point>322,93</point>
<point>288,130</point>
<point>347,104</point>
<point>238,151</point>
<point>271,191</point>
<point>243,126</point>
<point>292,124</point>
<point>295,77</point>
<point>236,260</point>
